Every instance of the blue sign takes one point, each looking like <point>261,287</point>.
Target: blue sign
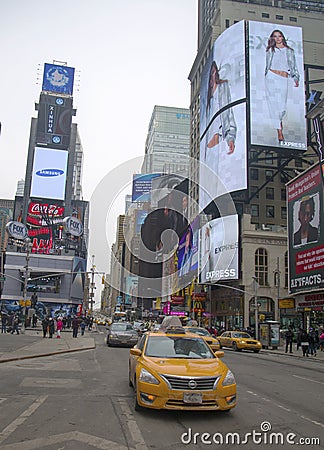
<point>58,79</point>
<point>142,186</point>
<point>49,172</point>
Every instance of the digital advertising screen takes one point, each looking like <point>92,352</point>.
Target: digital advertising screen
<point>131,291</point>
<point>305,231</point>
<point>223,116</point>
<point>142,186</point>
<point>188,252</point>
<point>58,79</point>
<point>218,250</point>
<point>54,121</point>
<point>49,173</point>
<point>277,97</point>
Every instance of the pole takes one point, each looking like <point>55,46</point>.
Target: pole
<point>27,242</point>
<point>278,290</point>
<point>256,308</point>
<point>92,286</point>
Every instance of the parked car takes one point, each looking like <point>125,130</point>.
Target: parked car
<point>239,340</point>
<point>176,370</point>
<point>121,334</point>
<point>209,339</point>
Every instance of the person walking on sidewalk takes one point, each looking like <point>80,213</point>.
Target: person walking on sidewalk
<point>51,327</point>
<point>82,327</point>
<point>4,322</point>
<point>313,341</point>
<point>299,335</point>
<point>289,340</point>
<point>59,327</point>
<point>45,326</point>
<point>305,342</point>
<point>321,341</point>
<point>75,327</point>
<point>14,324</point>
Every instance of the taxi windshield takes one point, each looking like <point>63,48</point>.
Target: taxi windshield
<point>177,347</point>
<point>242,335</point>
<point>200,331</point>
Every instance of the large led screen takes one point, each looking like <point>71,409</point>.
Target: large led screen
<point>188,253</point>
<point>223,117</point>
<point>49,173</point>
<point>277,97</point>
<point>142,186</point>
<point>305,231</point>
<point>58,79</point>
<point>54,121</point>
<point>218,250</point>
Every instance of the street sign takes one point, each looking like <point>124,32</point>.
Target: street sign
<point>2,279</point>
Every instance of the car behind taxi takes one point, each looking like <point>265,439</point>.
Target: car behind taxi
<point>239,340</point>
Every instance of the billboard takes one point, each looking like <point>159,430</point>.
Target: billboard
<point>305,231</point>
<point>223,117</point>
<point>218,250</point>
<point>49,173</point>
<point>54,121</point>
<point>188,253</point>
<point>131,291</point>
<point>142,186</point>
<point>277,97</point>
<point>58,79</point>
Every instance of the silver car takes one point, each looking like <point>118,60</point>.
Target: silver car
<point>122,334</point>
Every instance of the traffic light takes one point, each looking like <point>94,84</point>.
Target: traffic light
<point>103,279</point>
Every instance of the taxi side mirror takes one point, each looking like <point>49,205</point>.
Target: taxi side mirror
<point>136,352</point>
<point>219,353</point>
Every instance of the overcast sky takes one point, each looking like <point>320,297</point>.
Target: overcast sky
<point>129,55</point>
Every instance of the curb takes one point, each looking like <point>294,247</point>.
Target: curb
<point>274,352</point>
<point>42,355</point>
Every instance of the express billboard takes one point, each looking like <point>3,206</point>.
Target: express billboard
<point>218,250</point>
<point>58,78</point>
<point>54,121</point>
<point>49,173</point>
<point>223,116</point>
<point>305,231</point>
<point>277,97</point>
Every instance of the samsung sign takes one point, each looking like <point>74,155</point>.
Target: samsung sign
<point>17,230</point>
<point>73,225</point>
<point>49,173</point>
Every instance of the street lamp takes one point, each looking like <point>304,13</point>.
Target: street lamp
<point>92,285</point>
<point>256,307</point>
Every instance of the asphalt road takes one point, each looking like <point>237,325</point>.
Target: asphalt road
<point>83,401</point>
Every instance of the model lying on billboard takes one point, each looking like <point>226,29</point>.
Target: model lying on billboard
<point>306,232</point>
<point>218,96</point>
<point>280,65</point>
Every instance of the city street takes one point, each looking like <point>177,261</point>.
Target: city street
<point>82,400</point>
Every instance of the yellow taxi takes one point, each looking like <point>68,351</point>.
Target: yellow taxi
<point>211,340</point>
<point>239,340</point>
<point>176,370</point>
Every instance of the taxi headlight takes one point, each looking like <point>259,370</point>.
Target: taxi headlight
<point>229,379</point>
<point>147,377</point>
<point>242,342</point>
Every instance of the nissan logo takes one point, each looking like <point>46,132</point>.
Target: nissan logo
<point>192,384</point>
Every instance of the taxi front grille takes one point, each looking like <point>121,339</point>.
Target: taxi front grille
<point>251,342</point>
<point>205,403</point>
<point>191,383</point>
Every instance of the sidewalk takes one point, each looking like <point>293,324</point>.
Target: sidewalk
<point>31,344</point>
<point>296,353</point>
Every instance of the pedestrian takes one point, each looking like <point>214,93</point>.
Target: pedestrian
<point>51,327</point>
<point>289,340</point>
<point>59,327</point>
<point>305,342</point>
<point>14,324</point>
<point>82,327</point>
<point>321,341</point>
<point>45,326</point>
<point>75,327</point>
<point>34,320</point>
<point>299,335</point>
<point>4,322</point>
<point>313,341</point>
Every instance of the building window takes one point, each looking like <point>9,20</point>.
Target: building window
<point>293,19</point>
<point>254,174</point>
<point>254,191</point>
<point>265,15</point>
<point>227,23</point>
<point>270,211</point>
<point>279,17</point>
<point>269,193</point>
<point>269,174</point>
<point>268,159</point>
<point>255,210</point>
<point>283,212</point>
<point>261,266</point>
<point>298,162</point>
<point>283,195</point>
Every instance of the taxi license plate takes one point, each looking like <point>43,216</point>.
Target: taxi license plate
<point>193,397</point>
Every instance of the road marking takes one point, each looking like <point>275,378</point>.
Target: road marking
<point>2,399</point>
<point>78,436</point>
<point>132,426</point>
<point>21,419</point>
<point>308,379</point>
<point>51,382</point>
<point>313,421</point>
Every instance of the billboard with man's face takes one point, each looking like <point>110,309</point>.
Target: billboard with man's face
<point>305,231</point>
<point>223,117</point>
<point>277,97</point>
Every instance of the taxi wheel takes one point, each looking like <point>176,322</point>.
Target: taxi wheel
<point>108,342</point>
<point>256,351</point>
<point>220,345</point>
<point>137,406</point>
<point>235,347</point>
<point>129,378</point>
